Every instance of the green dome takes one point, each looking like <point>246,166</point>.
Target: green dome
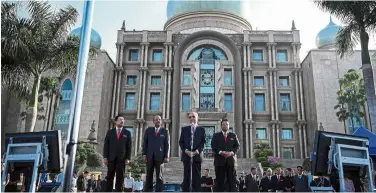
<point>176,7</point>
<point>327,36</point>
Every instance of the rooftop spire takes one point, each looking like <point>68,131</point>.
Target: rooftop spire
<point>123,26</point>
<point>293,25</point>
<point>331,21</point>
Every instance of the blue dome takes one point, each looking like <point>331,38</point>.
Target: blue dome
<point>327,36</point>
<point>95,38</point>
<point>176,7</point>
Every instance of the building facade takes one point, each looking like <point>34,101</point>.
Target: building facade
<point>209,60</point>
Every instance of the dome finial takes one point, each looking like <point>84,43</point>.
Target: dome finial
<point>293,25</point>
<point>123,25</point>
<point>331,21</point>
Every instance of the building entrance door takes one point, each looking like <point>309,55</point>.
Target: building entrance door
<point>209,131</point>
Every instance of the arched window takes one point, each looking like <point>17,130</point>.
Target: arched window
<point>62,116</point>
<point>198,53</point>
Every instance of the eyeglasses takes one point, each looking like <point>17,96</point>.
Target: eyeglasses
<point>192,117</point>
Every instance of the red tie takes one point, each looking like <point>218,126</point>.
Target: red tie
<point>225,138</point>
<point>278,179</point>
<point>118,134</point>
<point>156,132</point>
<point>254,179</point>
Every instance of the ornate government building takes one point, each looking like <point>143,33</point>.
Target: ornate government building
<point>208,59</point>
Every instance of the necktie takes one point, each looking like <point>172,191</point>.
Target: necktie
<point>225,137</point>
<point>278,178</point>
<point>254,178</point>
<point>156,132</point>
<point>118,134</point>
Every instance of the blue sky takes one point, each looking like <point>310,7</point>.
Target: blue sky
<point>151,15</point>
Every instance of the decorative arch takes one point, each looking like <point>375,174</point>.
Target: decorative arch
<point>63,113</point>
<point>197,53</point>
<point>179,57</point>
<point>207,43</point>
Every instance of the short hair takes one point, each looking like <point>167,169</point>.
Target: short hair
<point>253,168</point>
<point>300,167</point>
<point>117,117</point>
<point>224,120</point>
<point>270,170</point>
<point>289,169</point>
<point>207,169</point>
<point>156,116</point>
<point>86,172</point>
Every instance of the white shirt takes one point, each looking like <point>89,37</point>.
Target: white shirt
<point>128,182</point>
<point>156,129</point>
<point>138,185</point>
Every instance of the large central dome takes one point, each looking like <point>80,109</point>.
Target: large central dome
<point>176,7</point>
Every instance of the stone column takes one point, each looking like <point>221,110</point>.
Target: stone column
<point>245,66</point>
<point>140,78</point>
<point>246,140</point>
<point>169,133</point>
<point>165,82</point>
<point>251,138</point>
<point>297,93</point>
<point>136,138</point>
<point>270,80</point>
<point>301,94</point>
<point>249,82</point>
<point>115,82</point>
<point>119,86</point>
<point>142,125</point>
<point>144,80</point>
<point>305,140</point>
<point>300,140</point>
<point>278,142</point>
<point>169,80</point>
<point>273,140</point>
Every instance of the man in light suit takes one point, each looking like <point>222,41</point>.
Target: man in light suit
<point>155,150</point>
<point>196,134</point>
<point>117,153</point>
<point>225,145</point>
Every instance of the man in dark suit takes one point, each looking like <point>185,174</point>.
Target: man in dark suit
<point>225,145</point>
<point>252,181</point>
<point>300,181</point>
<point>192,153</point>
<point>117,153</point>
<point>266,182</point>
<point>278,181</point>
<point>155,150</point>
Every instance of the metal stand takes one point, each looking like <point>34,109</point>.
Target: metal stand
<point>26,152</point>
<point>341,155</point>
<point>190,180</point>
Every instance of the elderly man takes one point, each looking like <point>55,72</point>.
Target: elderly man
<point>192,142</point>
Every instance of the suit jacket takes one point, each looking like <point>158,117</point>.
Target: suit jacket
<point>265,184</point>
<point>156,147</point>
<point>117,149</point>
<point>251,184</point>
<point>231,145</point>
<point>199,140</point>
<point>301,184</point>
<point>278,185</point>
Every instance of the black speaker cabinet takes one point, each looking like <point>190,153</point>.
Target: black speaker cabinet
<point>322,145</point>
<point>53,139</point>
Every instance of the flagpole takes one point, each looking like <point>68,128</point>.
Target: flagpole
<point>74,121</point>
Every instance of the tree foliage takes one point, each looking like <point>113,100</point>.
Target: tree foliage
<point>359,18</point>
<point>34,45</point>
<point>137,166</point>
<point>351,98</point>
<point>262,153</point>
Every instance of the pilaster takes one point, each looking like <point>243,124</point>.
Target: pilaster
<point>141,123</point>
<point>245,76</point>
<point>271,95</point>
